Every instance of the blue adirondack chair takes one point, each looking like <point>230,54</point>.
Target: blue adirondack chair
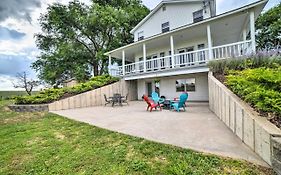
<point>156,98</point>
<point>181,104</point>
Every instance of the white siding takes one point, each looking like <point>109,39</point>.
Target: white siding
<point>141,89</point>
<point>177,15</point>
<point>168,87</point>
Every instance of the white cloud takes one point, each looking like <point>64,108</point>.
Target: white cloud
<point>18,9</point>
<point>6,82</point>
<point>24,50</point>
<point>27,43</point>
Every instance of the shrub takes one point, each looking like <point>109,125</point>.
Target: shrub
<point>51,95</point>
<point>260,87</point>
<point>256,79</point>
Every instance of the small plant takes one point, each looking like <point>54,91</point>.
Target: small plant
<point>138,165</point>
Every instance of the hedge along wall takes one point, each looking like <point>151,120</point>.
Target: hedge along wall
<point>96,97</point>
<point>255,131</point>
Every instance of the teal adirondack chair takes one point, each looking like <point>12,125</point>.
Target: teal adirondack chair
<point>156,98</point>
<point>181,104</point>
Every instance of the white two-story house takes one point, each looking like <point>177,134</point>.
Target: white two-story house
<point>174,43</point>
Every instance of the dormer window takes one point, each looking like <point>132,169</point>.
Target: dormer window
<point>165,27</point>
<point>198,16</point>
<point>140,35</point>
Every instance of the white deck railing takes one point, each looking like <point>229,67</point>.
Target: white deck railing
<point>193,58</point>
<point>158,63</point>
<point>232,50</point>
<point>187,59</point>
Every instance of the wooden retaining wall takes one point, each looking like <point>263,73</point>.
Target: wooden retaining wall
<point>96,97</point>
<point>255,131</point>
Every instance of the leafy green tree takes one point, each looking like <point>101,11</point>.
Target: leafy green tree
<point>269,28</point>
<point>75,37</point>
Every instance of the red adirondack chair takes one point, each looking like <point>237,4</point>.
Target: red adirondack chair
<point>151,104</point>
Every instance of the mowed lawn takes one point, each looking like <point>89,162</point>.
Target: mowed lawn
<point>44,143</point>
<point>9,94</point>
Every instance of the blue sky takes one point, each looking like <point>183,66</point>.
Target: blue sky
<point>18,24</point>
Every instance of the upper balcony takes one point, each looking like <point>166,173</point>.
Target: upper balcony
<point>188,49</point>
<point>187,62</point>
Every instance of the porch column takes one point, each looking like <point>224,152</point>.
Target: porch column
<point>210,43</point>
<point>109,64</point>
<point>144,57</point>
<point>252,29</point>
<point>123,61</point>
<point>244,34</point>
<point>172,50</point>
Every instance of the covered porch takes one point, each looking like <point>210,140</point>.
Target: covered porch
<point>228,35</point>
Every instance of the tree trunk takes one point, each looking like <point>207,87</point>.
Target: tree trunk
<point>96,70</point>
<point>28,92</point>
<point>101,69</point>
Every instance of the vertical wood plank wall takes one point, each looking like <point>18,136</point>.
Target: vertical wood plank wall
<point>255,131</point>
<point>96,97</point>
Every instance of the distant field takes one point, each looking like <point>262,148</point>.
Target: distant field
<point>7,94</point>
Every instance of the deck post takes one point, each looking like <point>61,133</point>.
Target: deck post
<point>252,29</point>
<point>210,44</point>
<point>244,37</point>
<point>172,51</point>
<point>144,57</point>
<point>109,64</point>
<point>123,61</point>
<point>244,34</point>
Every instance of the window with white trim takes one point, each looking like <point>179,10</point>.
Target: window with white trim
<point>198,16</point>
<point>140,35</point>
<point>185,85</point>
<point>165,27</point>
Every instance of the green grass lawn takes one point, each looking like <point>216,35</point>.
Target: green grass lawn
<point>8,94</point>
<point>5,94</point>
<point>44,143</point>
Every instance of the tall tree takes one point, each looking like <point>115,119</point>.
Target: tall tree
<point>75,37</point>
<point>269,28</point>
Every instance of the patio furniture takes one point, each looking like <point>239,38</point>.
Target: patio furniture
<point>167,104</point>
<point>181,104</point>
<point>151,104</point>
<point>156,98</point>
<point>125,99</point>
<point>117,99</point>
<point>107,100</point>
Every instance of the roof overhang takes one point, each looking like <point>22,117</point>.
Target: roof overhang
<point>257,7</point>
<point>157,8</point>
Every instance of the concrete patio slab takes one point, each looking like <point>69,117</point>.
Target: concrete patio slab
<point>197,128</point>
